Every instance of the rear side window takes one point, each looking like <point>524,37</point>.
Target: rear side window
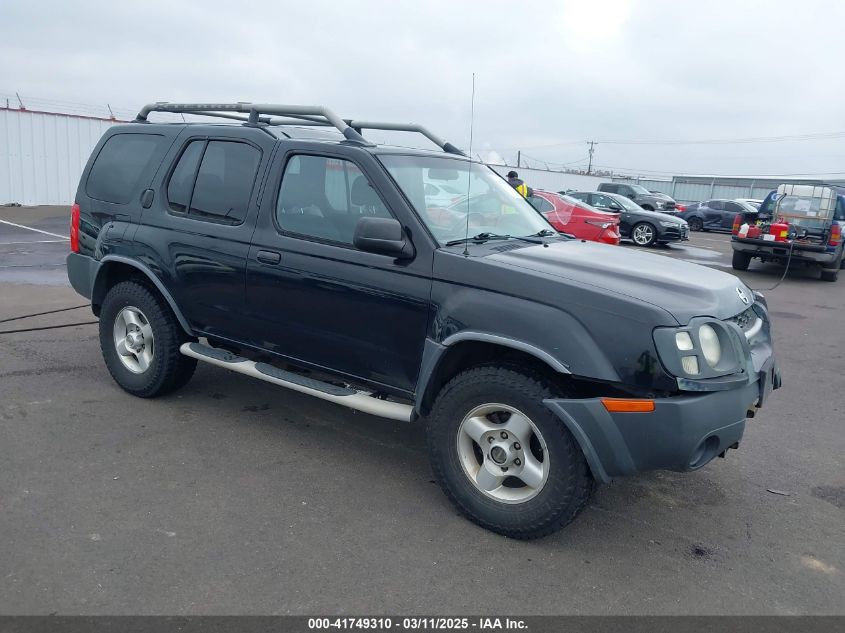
<point>542,205</point>
<point>182,181</point>
<point>213,180</point>
<point>121,164</point>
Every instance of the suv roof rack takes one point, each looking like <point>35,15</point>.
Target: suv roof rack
<point>296,115</point>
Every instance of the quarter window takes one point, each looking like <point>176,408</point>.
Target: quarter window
<point>324,198</point>
<point>120,166</point>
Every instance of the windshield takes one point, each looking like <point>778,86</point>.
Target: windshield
<point>494,206</point>
<point>640,189</point>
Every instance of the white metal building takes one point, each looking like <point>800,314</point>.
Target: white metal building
<point>42,154</point>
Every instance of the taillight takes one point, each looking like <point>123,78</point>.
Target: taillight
<point>74,228</point>
<point>680,208</point>
<point>737,224</point>
<point>835,235</point>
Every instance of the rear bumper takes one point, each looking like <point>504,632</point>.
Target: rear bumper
<point>780,250</point>
<point>683,433</point>
<point>81,272</point>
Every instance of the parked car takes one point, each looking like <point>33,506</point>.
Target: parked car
<point>644,228</point>
<point>441,194</point>
<point>754,202</point>
<point>716,215</point>
<point>573,216</point>
<point>538,364</point>
<point>671,210</point>
<point>796,225</point>
<point>640,195</point>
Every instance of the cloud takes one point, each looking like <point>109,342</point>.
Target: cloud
<point>546,73</point>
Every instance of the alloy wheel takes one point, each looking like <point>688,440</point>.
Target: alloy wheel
<point>133,339</point>
<point>503,453</point>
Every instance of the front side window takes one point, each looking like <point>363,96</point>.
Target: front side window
<point>485,202</point>
<point>323,198</point>
<point>638,190</point>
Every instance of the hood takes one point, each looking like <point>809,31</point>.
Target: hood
<point>684,290</point>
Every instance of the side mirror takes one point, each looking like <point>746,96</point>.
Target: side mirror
<point>384,236</point>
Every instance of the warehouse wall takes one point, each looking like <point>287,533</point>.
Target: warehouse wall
<point>42,155</point>
<point>553,180</point>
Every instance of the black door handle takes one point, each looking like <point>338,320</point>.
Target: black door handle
<point>268,257</point>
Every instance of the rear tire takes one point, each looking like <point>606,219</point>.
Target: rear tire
<point>740,260</point>
<point>490,408</point>
<point>140,339</point>
<point>829,275</point>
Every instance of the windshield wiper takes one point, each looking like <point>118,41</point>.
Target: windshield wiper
<point>545,233</point>
<point>484,237</point>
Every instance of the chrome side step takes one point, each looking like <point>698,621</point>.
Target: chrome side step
<point>358,400</point>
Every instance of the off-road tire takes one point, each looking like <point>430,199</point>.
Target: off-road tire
<point>169,369</point>
<point>740,260</point>
<point>569,485</point>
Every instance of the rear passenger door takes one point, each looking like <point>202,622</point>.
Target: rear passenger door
<point>711,212</point>
<point>196,234</point>
<point>732,209</point>
<point>313,297</point>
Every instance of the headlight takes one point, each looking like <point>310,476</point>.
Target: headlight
<point>669,224</point>
<point>710,345</point>
<point>704,348</point>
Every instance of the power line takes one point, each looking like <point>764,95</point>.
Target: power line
<point>813,136</point>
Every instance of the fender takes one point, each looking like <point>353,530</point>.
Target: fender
<point>434,352</point>
<point>98,290</point>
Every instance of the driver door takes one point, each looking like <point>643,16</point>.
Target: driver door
<point>316,299</point>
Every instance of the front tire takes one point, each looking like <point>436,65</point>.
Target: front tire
<point>643,234</point>
<point>506,461</point>
<point>140,339</point>
<point>740,260</point>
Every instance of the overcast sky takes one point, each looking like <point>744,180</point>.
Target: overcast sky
<point>549,75</point>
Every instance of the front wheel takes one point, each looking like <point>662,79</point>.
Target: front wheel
<point>502,457</point>
<point>643,234</point>
<point>695,224</point>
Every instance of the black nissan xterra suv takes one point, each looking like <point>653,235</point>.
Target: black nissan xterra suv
<point>539,364</point>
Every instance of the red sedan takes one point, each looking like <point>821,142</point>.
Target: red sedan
<point>577,218</point>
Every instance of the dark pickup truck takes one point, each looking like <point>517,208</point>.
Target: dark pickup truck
<point>799,225</point>
<point>279,243</point>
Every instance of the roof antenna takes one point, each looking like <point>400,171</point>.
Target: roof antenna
<point>469,171</point>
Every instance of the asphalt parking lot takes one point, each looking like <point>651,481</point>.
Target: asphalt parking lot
<point>233,496</point>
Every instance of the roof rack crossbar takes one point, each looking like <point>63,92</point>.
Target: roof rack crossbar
<point>297,115</point>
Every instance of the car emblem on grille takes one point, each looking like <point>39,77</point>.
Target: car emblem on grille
<point>743,296</point>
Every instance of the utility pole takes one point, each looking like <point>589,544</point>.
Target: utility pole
<point>592,144</point>
<point>518,158</point>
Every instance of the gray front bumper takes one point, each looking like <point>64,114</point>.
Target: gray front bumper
<point>682,433</point>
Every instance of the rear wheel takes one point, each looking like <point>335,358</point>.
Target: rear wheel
<point>140,339</point>
<point>502,457</point>
<point>695,224</point>
<point>643,234</point>
<point>740,260</point>
<point>830,275</point>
